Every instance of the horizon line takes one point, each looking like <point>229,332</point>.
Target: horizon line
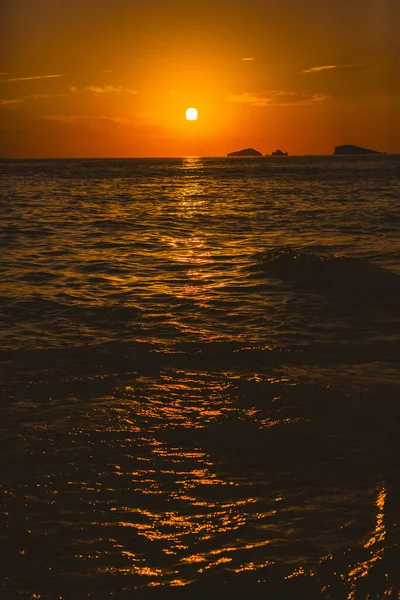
<point>187,156</point>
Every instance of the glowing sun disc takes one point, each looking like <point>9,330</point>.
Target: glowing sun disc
<point>191,114</point>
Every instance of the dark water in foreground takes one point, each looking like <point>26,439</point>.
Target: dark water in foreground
<point>200,378</point>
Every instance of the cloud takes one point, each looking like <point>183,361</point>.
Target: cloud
<point>258,99</point>
<point>32,78</point>
<point>5,102</point>
<point>318,69</point>
<point>22,99</point>
<point>278,98</point>
<point>328,68</point>
<point>71,119</point>
<point>249,58</point>
<point>314,99</point>
<point>109,89</point>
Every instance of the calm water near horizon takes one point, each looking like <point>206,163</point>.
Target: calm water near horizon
<point>200,378</point>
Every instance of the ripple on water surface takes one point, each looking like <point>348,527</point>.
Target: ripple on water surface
<point>200,378</point>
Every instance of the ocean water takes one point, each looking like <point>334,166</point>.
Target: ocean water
<point>200,378</point>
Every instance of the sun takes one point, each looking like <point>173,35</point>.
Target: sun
<point>191,114</point>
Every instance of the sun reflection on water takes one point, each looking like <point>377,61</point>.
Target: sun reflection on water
<point>374,544</point>
<point>192,163</point>
<point>190,191</point>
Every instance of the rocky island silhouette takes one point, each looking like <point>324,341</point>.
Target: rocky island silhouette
<point>279,153</point>
<point>345,149</point>
<point>245,152</point>
<point>351,149</point>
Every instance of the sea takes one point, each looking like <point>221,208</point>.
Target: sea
<point>200,378</point>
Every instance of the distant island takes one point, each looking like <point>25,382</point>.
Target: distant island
<point>350,149</point>
<point>279,153</point>
<point>245,152</point>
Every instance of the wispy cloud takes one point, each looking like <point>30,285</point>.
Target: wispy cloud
<point>33,78</point>
<point>5,102</point>
<point>22,99</point>
<point>328,68</point>
<point>71,119</point>
<point>248,58</point>
<point>278,98</point>
<point>110,89</point>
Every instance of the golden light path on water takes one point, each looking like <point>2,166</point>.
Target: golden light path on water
<point>375,545</point>
<point>170,474</point>
<point>206,520</point>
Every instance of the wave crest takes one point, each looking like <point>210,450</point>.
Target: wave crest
<point>336,274</point>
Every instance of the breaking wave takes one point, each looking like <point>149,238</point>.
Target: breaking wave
<point>328,273</point>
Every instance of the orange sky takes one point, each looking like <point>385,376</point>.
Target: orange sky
<point>113,78</point>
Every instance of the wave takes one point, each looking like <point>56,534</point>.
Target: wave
<point>90,370</point>
<point>328,273</point>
